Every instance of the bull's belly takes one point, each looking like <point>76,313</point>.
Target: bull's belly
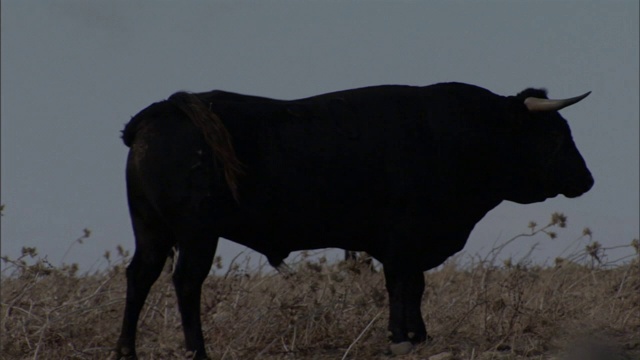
<point>284,231</point>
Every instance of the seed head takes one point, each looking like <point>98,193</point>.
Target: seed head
<point>31,251</point>
<point>559,219</point>
<point>593,250</point>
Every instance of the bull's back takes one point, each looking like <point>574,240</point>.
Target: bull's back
<point>330,169</point>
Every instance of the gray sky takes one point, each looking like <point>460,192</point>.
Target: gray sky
<point>74,72</point>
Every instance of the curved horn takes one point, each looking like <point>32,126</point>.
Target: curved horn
<point>537,104</point>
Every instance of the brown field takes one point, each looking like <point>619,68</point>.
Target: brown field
<point>578,308</point>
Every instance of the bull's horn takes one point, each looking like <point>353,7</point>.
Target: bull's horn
<point>537,104</point>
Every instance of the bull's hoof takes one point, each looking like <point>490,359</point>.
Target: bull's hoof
<point>125,353</point>
<point>419,338</point>
<point>199,355</point>
<point>401,348</point>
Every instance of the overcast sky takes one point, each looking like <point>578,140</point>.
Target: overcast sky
<point>74,72</point>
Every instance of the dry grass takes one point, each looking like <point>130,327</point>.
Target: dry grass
<point>480,310</point>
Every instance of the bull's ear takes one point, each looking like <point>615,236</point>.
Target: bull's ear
<point>538,104</point>
<point>515,113</point>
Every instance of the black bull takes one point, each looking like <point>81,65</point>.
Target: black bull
<point>403,173</point>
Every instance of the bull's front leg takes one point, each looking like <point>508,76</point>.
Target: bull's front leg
<point>405,287</point>
<point>414,290</point>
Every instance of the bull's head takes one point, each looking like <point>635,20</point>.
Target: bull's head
<point>548,162</point>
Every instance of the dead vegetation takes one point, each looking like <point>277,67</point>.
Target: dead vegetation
<point>479,309</point>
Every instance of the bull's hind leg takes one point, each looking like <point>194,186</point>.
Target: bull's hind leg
<point>153,245</point>
<point>196,252</point>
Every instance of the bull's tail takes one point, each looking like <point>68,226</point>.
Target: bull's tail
<point>212,128</point>
<point>215,134</point>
